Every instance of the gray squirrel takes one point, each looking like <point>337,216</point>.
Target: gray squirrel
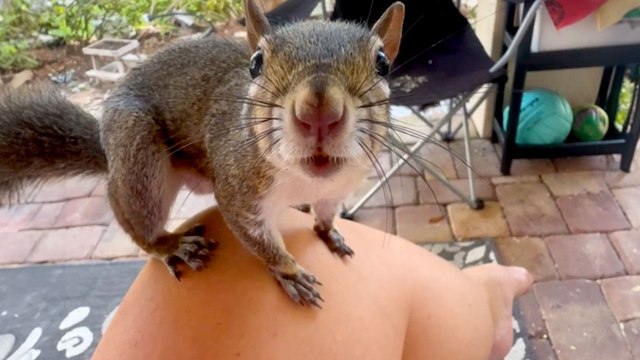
<point>290,117</point>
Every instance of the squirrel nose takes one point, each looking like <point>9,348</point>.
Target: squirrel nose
<point>318,113</point>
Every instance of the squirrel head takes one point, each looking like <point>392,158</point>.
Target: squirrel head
<point>319,94</point>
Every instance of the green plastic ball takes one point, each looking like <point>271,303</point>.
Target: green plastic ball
<point>590,123</point>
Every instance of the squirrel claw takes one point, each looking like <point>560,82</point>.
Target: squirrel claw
<point>172,265</point>
<point>300,287</point>
<point>306,208</point>
<point>334,241</point>
<point>194,250</point>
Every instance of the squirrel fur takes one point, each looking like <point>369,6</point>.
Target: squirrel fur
<point>293,116</point>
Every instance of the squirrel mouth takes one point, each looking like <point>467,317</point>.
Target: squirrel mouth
<point>322,165</point>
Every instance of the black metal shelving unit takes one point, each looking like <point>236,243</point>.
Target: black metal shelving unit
<point>614,59</point>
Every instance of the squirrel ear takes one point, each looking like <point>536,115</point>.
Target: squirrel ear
<point>389,29</point>
<point>257,23</point>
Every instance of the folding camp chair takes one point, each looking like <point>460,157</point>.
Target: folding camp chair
<point>440,59</point>
<point>290,11</point>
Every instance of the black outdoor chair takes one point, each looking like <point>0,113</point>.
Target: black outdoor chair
<point>440,59</point>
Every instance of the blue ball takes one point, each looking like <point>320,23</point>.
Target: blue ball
<point>545,118</point>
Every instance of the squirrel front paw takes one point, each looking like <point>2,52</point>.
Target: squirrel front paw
<point>192,249</point>
<point>335,241</point>
<point>299,285</point>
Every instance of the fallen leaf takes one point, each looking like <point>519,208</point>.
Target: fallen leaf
<point>436,219</point>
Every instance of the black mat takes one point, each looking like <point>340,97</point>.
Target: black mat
<point>59,311</point>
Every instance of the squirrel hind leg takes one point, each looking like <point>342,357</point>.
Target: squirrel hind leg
<point>325,212</point>
<point>142,186</point>
<point>192,249</point>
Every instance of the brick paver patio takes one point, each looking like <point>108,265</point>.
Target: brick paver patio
<point>574,223</point>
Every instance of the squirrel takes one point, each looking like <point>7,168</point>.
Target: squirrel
<point>293,115</point>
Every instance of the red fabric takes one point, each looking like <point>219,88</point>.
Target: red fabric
<point>566,12</point>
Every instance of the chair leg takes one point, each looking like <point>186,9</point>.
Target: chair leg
<point>505,163</point>
<point>475,203</point>
<point>634,132</point>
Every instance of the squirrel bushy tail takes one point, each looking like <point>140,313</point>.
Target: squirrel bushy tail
<point>44,136</point>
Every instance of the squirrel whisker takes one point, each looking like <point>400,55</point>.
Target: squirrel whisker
<point>267,151</point>
<point>418,135</point>
<point>184,144</point>
<point>393,148</point>
<point>197,138</point>
<point>380,173</point>
<point>373,86</point>
<point>250,101</point>
<point>375,103</point>
<point>229,129</point>
<point>267,90</point>
<point>257,137</point>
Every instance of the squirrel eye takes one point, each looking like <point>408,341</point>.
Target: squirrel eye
<point>255,65</point>
<point>382,63</point>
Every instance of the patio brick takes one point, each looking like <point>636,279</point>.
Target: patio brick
<point>632,333</point>
<point>581,163</point>
<point>382,219</point>
<point>16,246</point>
<point>575,183</point>
<point>100,189</point>
<point>484,160</point>
<point>532,167</point>
<point>17,217</point>
<point>623,296</point>
<point>579,322</point>
<point>436,193</point>
<point>502,180</point>
<point>46,216</point>
<point>592,213</point>
<point>531,315</point>
<point>542,350</point>
<point>441,159</point>
<point>629,200</point>
<point>586,256</point>
<point>468,223</point>
<point>115,243</point>
<point>384,162</point>
<point>424,223</point>
<point>530,210</point>
<point>403,192</point>
<point>67,244</point>
<point>85,211</point>
<point>620,179</point>
<point>70,188</point>
<point>530,253</point>
<point>627,244</point>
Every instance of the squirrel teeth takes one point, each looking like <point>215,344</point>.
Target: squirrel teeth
<point>320,160</point>
<point>322,164</point>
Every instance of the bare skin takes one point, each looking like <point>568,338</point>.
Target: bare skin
<point>392,300</point>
